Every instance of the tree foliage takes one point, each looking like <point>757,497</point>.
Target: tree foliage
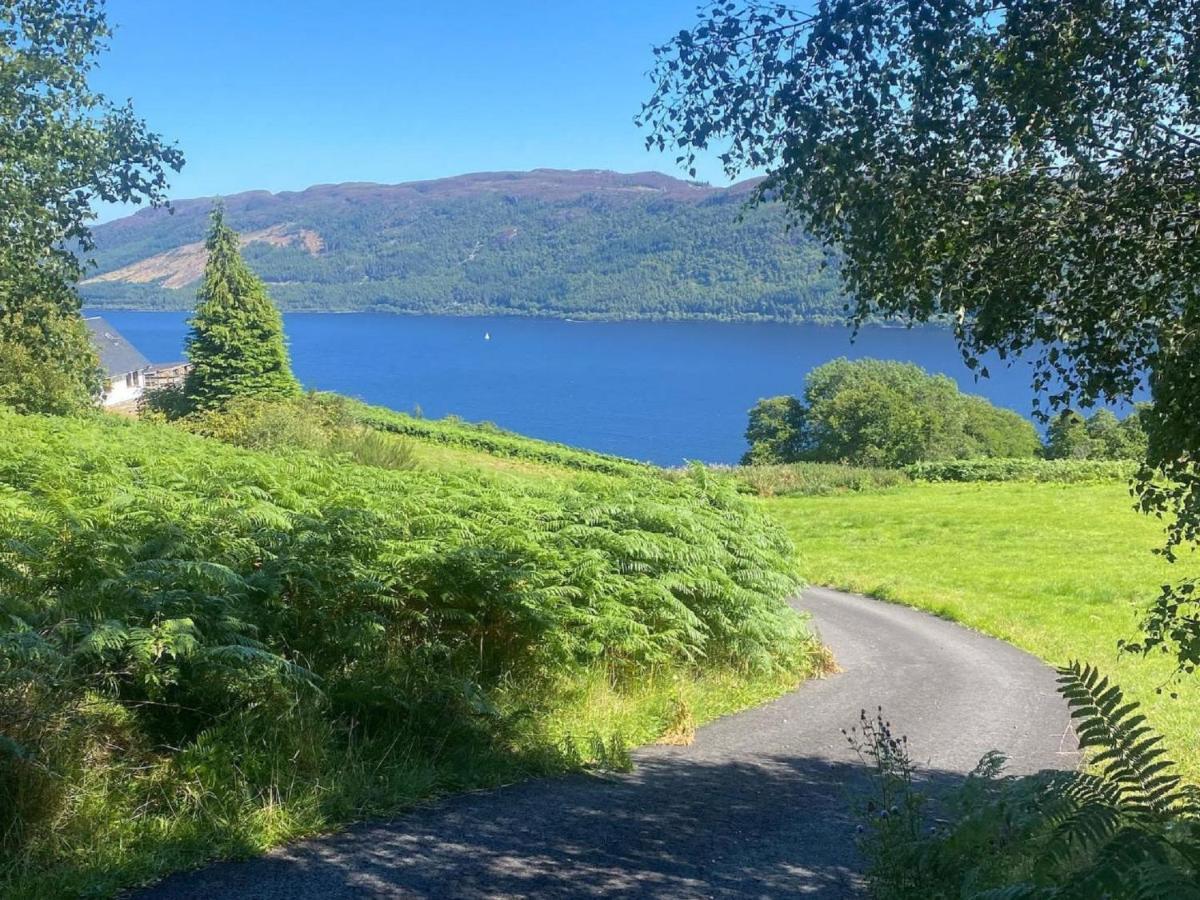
<point>775,431</point>
<point>873,412</point>
<point>1028,168</point>
<point>1099,436</point>
<point>636,253</point>
<point>63,146</point>
<point>236,345</point>
<point>47,361</point>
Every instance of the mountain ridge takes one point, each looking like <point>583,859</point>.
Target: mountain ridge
<point>578,178</point>
<point>580,243</point>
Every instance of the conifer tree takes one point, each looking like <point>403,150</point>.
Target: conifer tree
<point>236,345</point>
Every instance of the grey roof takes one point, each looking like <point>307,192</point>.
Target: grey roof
<point>117,355</point>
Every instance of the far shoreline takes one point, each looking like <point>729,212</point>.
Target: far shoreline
<point>583,319</point>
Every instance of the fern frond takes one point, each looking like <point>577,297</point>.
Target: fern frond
<point>1022,891</point>
<point>1130,754</point>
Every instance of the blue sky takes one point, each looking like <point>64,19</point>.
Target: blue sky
<point>268,94</point>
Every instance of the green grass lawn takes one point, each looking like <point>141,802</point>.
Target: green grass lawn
<point>1060,570</point>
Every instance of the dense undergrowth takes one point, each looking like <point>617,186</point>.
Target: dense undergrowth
<point>322,423</point>
<point>1058,471</point>
<point>206,649</point>
<point>493,440</point>
<point>1124,827</point>
<point>814,479</point>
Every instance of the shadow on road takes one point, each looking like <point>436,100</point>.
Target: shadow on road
<point>776,827</point>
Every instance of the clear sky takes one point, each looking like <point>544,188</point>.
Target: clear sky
<point>283,94</point>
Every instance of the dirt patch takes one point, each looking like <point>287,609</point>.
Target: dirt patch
<point>184,265</point>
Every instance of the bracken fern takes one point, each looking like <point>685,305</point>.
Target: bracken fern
<point>1124,828</point>
<point>259,617</point>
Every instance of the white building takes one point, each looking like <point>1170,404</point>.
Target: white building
<point>125,369</point>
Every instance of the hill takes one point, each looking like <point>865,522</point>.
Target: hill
<point>578,244</point>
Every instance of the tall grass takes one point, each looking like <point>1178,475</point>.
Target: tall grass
<point>1058,471</point>
<point>815,479</point>
<point>495,441</point>
<point>206,649</point>
<point>323,423</point>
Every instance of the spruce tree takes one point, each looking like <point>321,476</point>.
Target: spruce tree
<point>236,345</point>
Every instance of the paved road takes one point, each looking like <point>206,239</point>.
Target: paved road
<point>756,807</point>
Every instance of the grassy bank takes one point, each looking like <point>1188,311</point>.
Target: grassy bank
<point>1060,570</point>
<point>128,821</point>
<point>493,441</point>
<point>208,649</point>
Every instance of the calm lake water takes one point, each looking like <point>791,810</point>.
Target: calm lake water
<point>659,391</point>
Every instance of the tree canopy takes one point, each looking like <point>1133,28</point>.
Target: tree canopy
<point>1099,436</point>
<point>875,412</point>
<point>236,345</point>
<point>63,146</point>
<point>775,432</point>
<point>1026,168</point>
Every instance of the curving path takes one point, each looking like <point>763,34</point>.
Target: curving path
<point>757,807</point>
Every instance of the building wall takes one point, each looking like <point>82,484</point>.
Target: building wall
<point>122,391</point>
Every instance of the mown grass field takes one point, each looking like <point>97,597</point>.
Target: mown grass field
<point>1060,570</point>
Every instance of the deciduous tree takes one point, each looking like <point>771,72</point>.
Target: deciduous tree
<point>1100,436</point>
<point>63,146</point>
<point>1027,169</point>
<point>1067,436</point>
<point>873,412</point>
<point>774,432</point>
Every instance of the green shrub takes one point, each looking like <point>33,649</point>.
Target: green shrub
<point>872,412</point>
<point>289,634</point>
<point>815,479</point>
<point>1124,827</point>
<point>319,422</point>
<point>265,425</point>
<point>163,404</point>
<point>1067,471</point>
<point>374,448</point>
<point>1100,436</point>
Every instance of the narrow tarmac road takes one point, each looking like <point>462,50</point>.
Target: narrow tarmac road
<point>758,806</point>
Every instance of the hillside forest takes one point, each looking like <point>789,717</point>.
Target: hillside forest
<point>583,245</point>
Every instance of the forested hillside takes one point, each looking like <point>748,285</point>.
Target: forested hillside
<point>586,244</point>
